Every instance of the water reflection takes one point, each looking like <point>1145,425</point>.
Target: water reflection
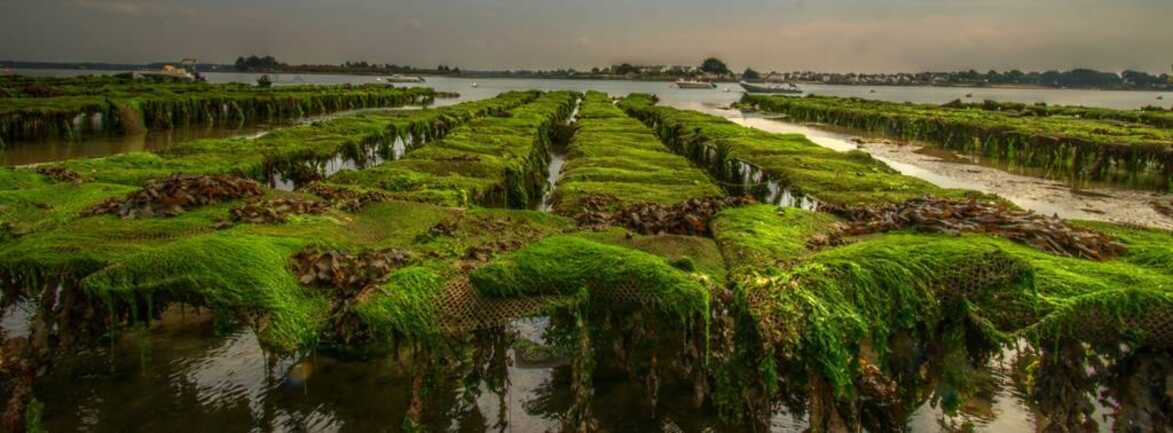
<point>292,174</point>
<point>619,373</point>
<point>105,144</point>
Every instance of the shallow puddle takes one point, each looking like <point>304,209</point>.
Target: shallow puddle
<point>557,159</point>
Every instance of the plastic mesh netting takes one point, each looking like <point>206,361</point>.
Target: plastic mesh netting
<point>461,309</point>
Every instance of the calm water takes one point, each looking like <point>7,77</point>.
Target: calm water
<point>182,376</point>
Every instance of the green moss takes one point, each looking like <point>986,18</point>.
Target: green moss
<point>406,306</point>
<point>119,106</point>
<point>491,161</point>
<point>797,163</point>
<point>1064,145</point>
<point>32,208</point>
<point>564,265</point>
<point>246,276</point>
<point>759,237</point>
<point>822,309</point>
<point>687,253</point>
<point>288,148</point>
<point>612,154</point>
<point>15,178</point>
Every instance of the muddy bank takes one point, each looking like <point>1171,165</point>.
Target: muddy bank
<point>1045,196</point>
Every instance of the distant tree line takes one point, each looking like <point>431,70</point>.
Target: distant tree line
<point>715,68</point>
<point>258,64</point>
<point>269,64</point>
<point>1081,78</point>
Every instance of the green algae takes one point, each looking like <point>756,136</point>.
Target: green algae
<point>565,265</point>
<point>759,237</point>
<point>405,307</point>
<point>1061,142</point>
<point>687,253</point>
<point>821,305</point>
<point>237,275</point>
<point>258,157</point>
<point>30,208</point>
<point>806,168</point>
<point>121,106</point>
<point>492,161</point>
<point>614,155</point>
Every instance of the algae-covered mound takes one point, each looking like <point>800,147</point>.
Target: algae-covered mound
<point>72,107</point>
<point>821,302</point>
<point>236,274</point>
<point>491,161</point>
<point>568,265</point>
<point>1083,148</point>
<point>614,155</point>
<point>266,157</point>
<point>739,155</point>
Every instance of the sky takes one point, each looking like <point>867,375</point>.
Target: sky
<point>784,35</point>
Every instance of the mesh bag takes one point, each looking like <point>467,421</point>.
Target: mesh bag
<point>461,309</point>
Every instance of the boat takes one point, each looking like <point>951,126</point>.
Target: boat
<point>167,73</point>
<point>695,84</point>
<point>405,79</point>
<point>785,89</point>
<point>474,85</point>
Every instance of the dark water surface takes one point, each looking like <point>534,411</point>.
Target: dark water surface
<point>183,376</point>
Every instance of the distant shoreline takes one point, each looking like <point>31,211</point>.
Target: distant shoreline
<point>227,69</point>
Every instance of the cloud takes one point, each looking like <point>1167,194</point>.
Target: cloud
<point>136,8</point>
<point>859,35</point>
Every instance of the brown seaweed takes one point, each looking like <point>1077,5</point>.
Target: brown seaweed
<point>1050,234</point>
<point>176,194</point>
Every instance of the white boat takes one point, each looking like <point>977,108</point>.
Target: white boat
<point>168,72</point>
<point>405,79</point>
<point>476,85</point>
<point>695,84</point>
<point>785,89</point>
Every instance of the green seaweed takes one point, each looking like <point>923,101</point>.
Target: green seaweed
<point>614,155</point>
<point>564,265</point>
<point>1065,145</point>
<point>725,149</point>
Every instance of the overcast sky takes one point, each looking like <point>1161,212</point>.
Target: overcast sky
<point>824,35</point>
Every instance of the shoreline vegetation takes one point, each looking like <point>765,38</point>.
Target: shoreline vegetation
<point>712,69</point>
<point>36,108</point>
<point>413,233</point>
<point>1125,147</point>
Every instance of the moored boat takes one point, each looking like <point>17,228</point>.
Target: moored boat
<point>787,89</point>
<point>695,84</point>
<point>397,78</point>
<point>167,73</point>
